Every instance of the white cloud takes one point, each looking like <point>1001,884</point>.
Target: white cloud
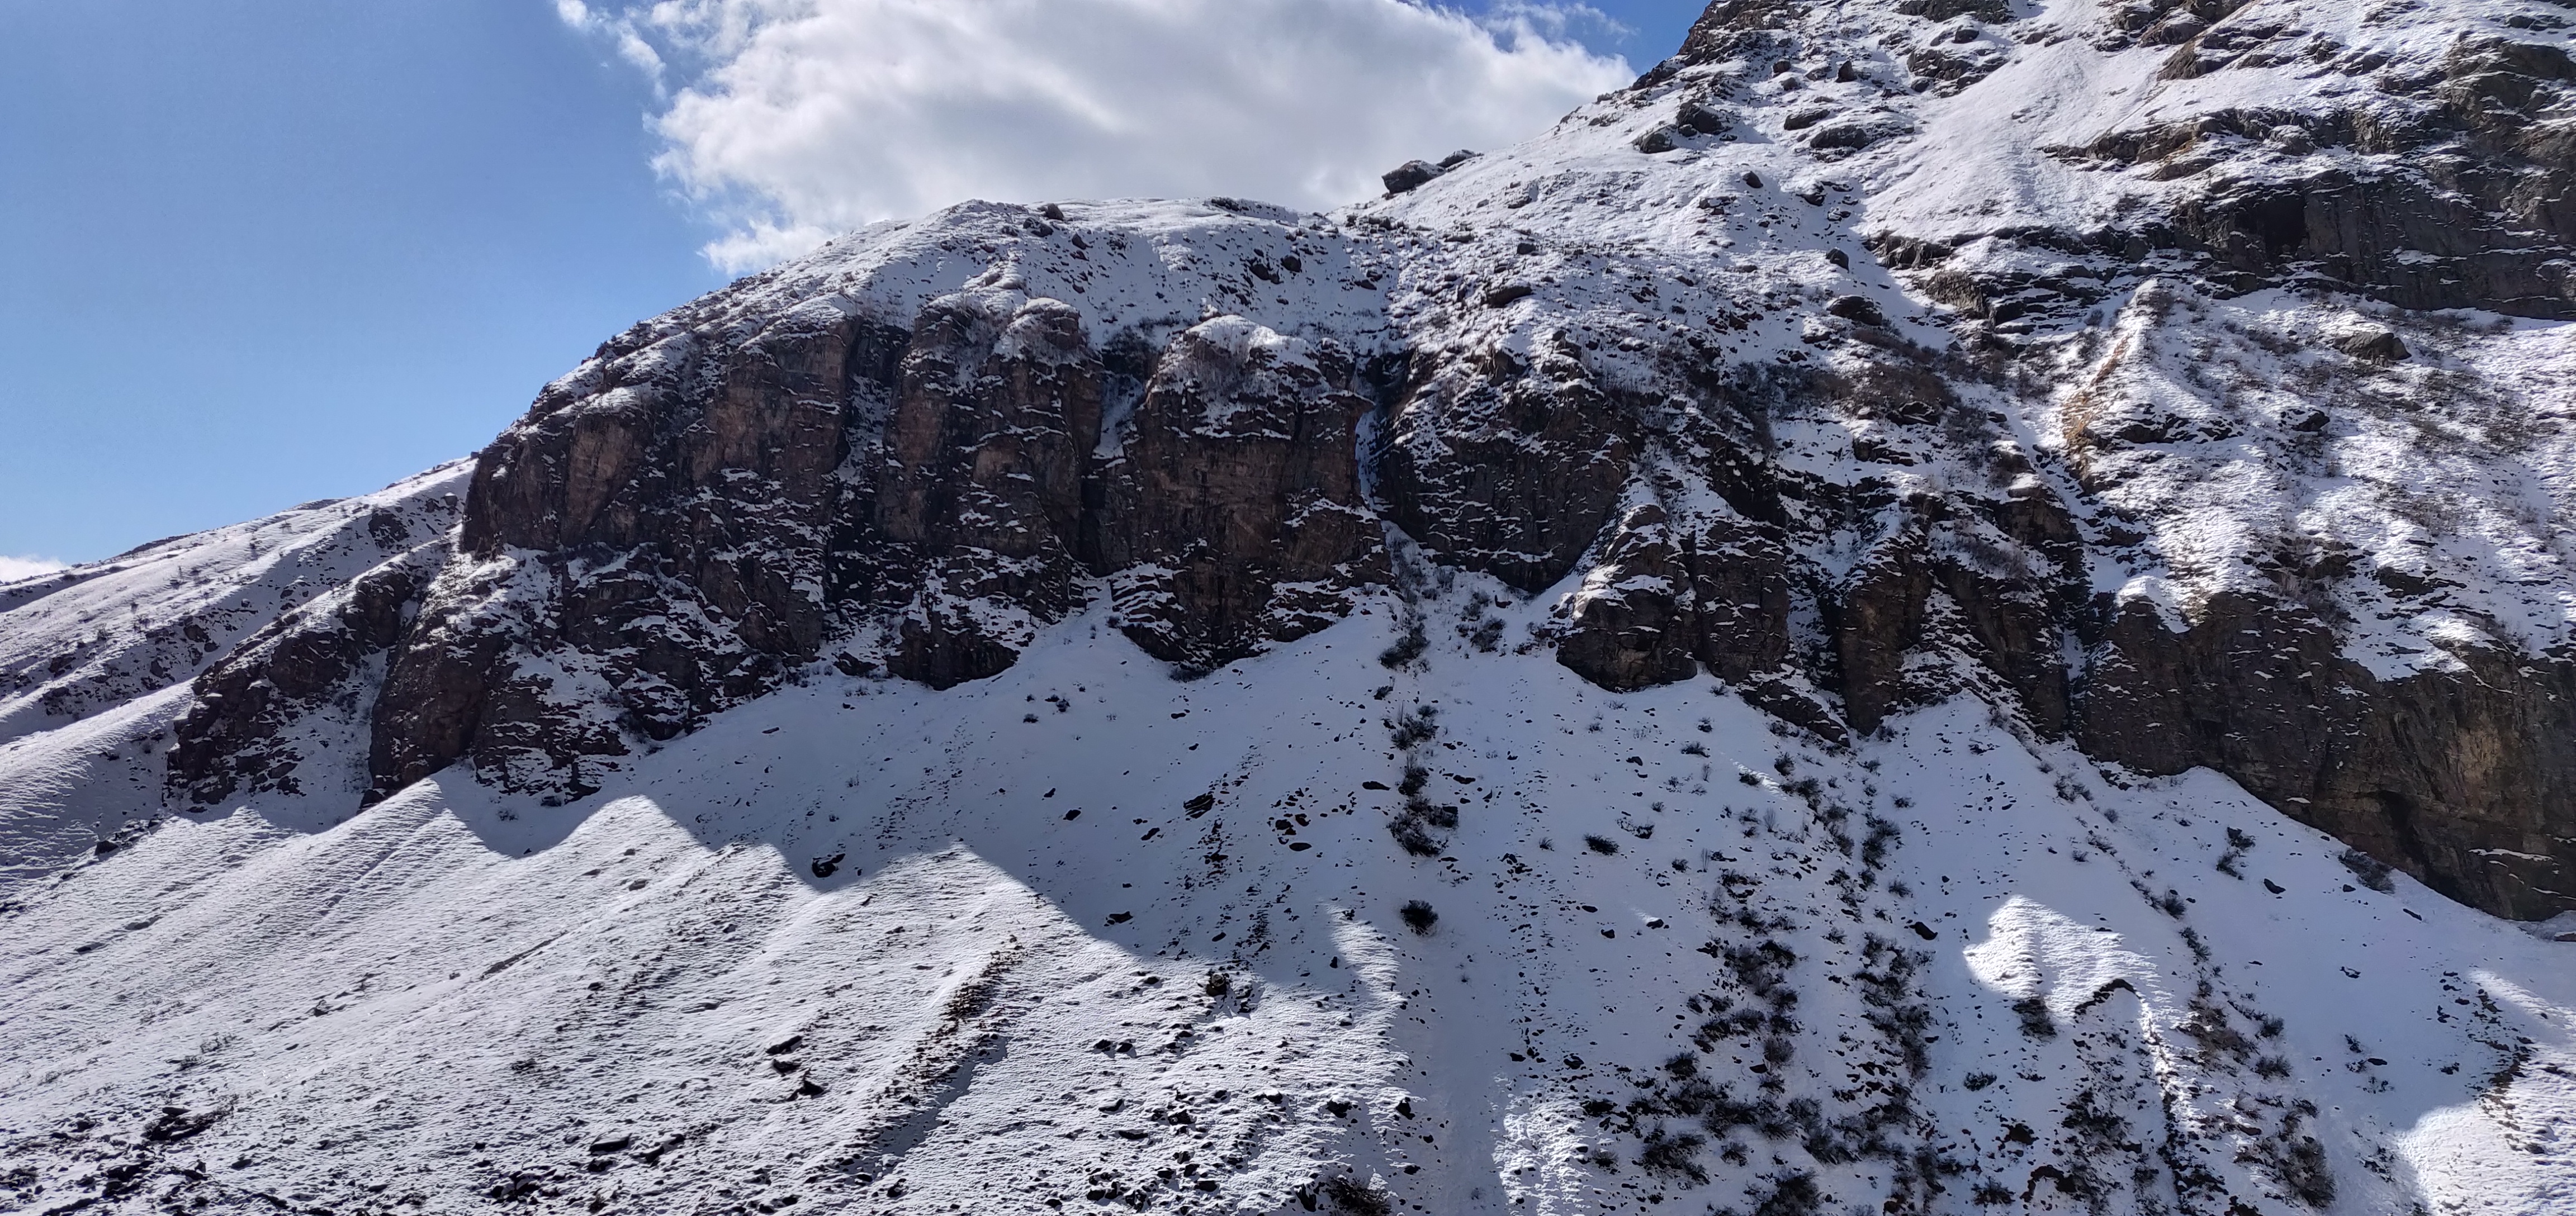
<point>620,30</point>
<point>14,568</point>
<point>793,120</point>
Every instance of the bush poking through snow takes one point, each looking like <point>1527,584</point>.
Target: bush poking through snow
<point>1410,832</point>
<point>1763,971</point>
<point>1883,836</point>
<point>1406,648</point>
<point>1412,826</point>
<point>1792,1195</point>
<point>1418,916</point>
<point>2237,843</point>
<point>2295,1159</point>
<point>1673,1155</point>
<point>1411,728</point>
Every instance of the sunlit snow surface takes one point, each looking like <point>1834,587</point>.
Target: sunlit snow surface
<point>851,944</point>
<point>95,660</point>
<point>451,992</point>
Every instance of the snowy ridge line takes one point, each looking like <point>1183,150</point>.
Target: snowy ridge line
<point>1940,607</point>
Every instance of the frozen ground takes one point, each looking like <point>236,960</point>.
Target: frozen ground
<point>1086,938</point>
<point>1083,934</point>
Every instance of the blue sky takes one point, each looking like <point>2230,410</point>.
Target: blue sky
<point>267,251</point>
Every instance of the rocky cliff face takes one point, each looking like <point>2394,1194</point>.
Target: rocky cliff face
<point>2162,450</point>
<point>1916,575</point>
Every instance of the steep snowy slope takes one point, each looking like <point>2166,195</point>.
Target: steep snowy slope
<point>97,659</point>
<point>1943,606</point>
<point>1082,935</point>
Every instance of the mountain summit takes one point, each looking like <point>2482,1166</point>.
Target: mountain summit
<point>2039,532</point>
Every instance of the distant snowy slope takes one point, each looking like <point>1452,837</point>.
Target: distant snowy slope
<point>96,659</point>
<point>97,635</point>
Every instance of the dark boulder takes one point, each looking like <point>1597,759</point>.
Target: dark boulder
<point>1860,310</point>
<point>1410,176</point>
<point>2372,343</point>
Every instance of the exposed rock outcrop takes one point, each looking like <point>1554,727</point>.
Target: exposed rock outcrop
<point>1635,365</point>
<point>2458,775</point>
<point>321,662</point>
<point>1232,515</point>
<point>1507,463</point>
<point>978,482</point>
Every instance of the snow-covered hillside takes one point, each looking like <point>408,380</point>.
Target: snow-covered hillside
<point>1082,934</point>
<point>97,659</point>
<point>1945,606</point>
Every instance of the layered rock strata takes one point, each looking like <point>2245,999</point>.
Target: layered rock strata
<point>2156,447</point>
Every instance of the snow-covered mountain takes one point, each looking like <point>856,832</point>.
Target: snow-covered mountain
<point>1943,606</point>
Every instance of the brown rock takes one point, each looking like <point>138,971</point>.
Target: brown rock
<point>1739,581</point>
<point>1876,620</point>
<point>979,488</point>
<point>659,521</point>
<point>1233,512</point>
<point>1667,597</point>
<point>1630,624</point>
<point>229,740</point>
<point>2457,777</point>
<point>1507,466</point>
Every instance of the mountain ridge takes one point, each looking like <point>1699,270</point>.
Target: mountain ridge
<point>2037,500</point>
